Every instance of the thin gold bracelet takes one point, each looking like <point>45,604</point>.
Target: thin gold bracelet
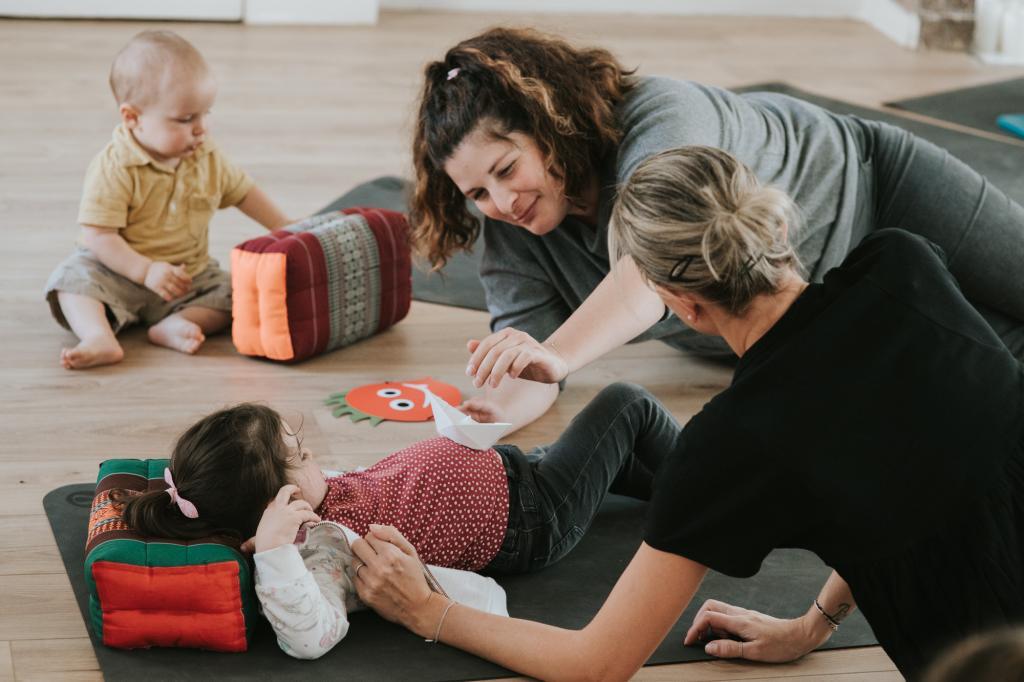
<point>437,633</point>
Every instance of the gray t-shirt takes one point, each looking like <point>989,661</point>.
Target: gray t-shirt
<point>534,283</point>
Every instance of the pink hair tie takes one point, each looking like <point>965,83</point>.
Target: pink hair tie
<point>453,73</point>
<point>186,507</point>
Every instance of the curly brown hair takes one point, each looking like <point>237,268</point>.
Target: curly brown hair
<point>512,80</point>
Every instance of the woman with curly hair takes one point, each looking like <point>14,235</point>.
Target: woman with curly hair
<point>538,134</point>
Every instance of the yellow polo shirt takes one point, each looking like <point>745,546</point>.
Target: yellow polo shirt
<point>162,212</point>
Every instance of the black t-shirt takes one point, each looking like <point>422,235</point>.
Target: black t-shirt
<point>876,409</point>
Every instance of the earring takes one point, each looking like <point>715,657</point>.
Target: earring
<point>689,318</point>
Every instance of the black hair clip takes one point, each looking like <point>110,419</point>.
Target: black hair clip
<point>676,274</point>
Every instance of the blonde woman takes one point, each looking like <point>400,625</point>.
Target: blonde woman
<point>875,419</point>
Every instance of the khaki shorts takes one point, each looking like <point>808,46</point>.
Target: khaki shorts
<point>126,302</point>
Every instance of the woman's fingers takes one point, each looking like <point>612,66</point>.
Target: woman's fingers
<point>364,551</point>
<point>485,369</point>
<point>712,623</point>
<point>522,362</point>
<point>480,348</point>
<point>300,504</point>
<point>698,629</point>
<point>394,536</point>
<point>504,364</point>
<point>729,648</point>
<point>285,494</point>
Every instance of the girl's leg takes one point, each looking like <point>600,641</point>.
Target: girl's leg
<point>922,188</point>
<point>87,318</point>
<point>616,443</point>
<point>186,330</point>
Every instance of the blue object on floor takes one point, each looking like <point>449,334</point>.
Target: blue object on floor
<point>1012,122</point>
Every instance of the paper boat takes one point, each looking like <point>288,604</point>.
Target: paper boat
<point>462,429</point>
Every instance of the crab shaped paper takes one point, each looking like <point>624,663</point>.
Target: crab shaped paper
<point>402,401</point>
<point>462,429</point>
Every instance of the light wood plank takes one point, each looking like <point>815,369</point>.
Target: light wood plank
<point>6,662</point>
<point>38,607</point>
<point>50,659</point>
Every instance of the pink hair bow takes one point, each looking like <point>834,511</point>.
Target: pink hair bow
<point>186,507</point>
<point>453,73</point>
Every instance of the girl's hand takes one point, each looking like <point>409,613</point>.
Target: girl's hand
<point>389,577</point>
<point>483,410</point>
<point>516,354</point>
<point>732,632</point>
<point>282,518</point>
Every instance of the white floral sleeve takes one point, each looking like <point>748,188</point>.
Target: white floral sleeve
<point>306,590</point>
<point>306,593</point>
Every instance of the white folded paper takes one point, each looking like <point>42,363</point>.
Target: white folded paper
<point>461,428</point>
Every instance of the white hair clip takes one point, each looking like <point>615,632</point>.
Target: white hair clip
<point>453,73</point>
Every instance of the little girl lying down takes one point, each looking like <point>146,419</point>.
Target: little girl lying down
<point>242,471</point>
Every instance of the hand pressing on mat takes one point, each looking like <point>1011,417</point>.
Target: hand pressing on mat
<point>391,580</point>
<point>728,631</point>
<point>510,352</point>
<point>282,519</point>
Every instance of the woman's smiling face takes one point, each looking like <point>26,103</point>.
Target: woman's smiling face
<point>506,178</point>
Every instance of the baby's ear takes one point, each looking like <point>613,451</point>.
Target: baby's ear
<point>129,114</point>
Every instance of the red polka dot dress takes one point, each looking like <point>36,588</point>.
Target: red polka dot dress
<point>449,501</point>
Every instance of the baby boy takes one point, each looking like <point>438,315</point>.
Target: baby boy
<point>146,207</point>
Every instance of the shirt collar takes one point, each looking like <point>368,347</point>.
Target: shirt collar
<point>131,153</point>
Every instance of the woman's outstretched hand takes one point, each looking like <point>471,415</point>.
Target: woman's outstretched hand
<point>510,352</point>
<point>282,519</point>
<point>389,576</point>
<point>729,631</point>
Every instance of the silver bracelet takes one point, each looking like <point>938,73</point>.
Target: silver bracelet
<point>437,633</point>
<point>832,622</point>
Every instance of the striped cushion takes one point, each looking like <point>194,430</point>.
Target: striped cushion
<point>320,284</point>
<point>146,591</point>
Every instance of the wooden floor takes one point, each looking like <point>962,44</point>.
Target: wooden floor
<point>310,112</point>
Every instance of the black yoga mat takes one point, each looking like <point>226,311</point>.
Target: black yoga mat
<point>976,107</point>
<point>567,594</point>
<point>459,285</point>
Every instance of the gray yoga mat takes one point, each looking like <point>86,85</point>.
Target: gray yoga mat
<point>567,594</point>
<point>459,284</point>
<point>976,107</point>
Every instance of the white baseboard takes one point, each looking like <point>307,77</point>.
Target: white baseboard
<point>893,20</point>
<point>792,8</point>
<point>311,12</point>
<point>199,10</point>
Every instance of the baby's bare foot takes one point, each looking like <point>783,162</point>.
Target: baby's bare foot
<point>178,334</point>
<point>91,353</point>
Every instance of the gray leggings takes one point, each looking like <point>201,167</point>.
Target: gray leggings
<point>922,188</point>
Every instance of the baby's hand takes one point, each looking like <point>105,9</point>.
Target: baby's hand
<point>169,281</point>
<point>282,519</point>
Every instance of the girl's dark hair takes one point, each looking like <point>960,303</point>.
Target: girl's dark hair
<point>995,656</point>
<point>229,464</point>
<point>514,80</point>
